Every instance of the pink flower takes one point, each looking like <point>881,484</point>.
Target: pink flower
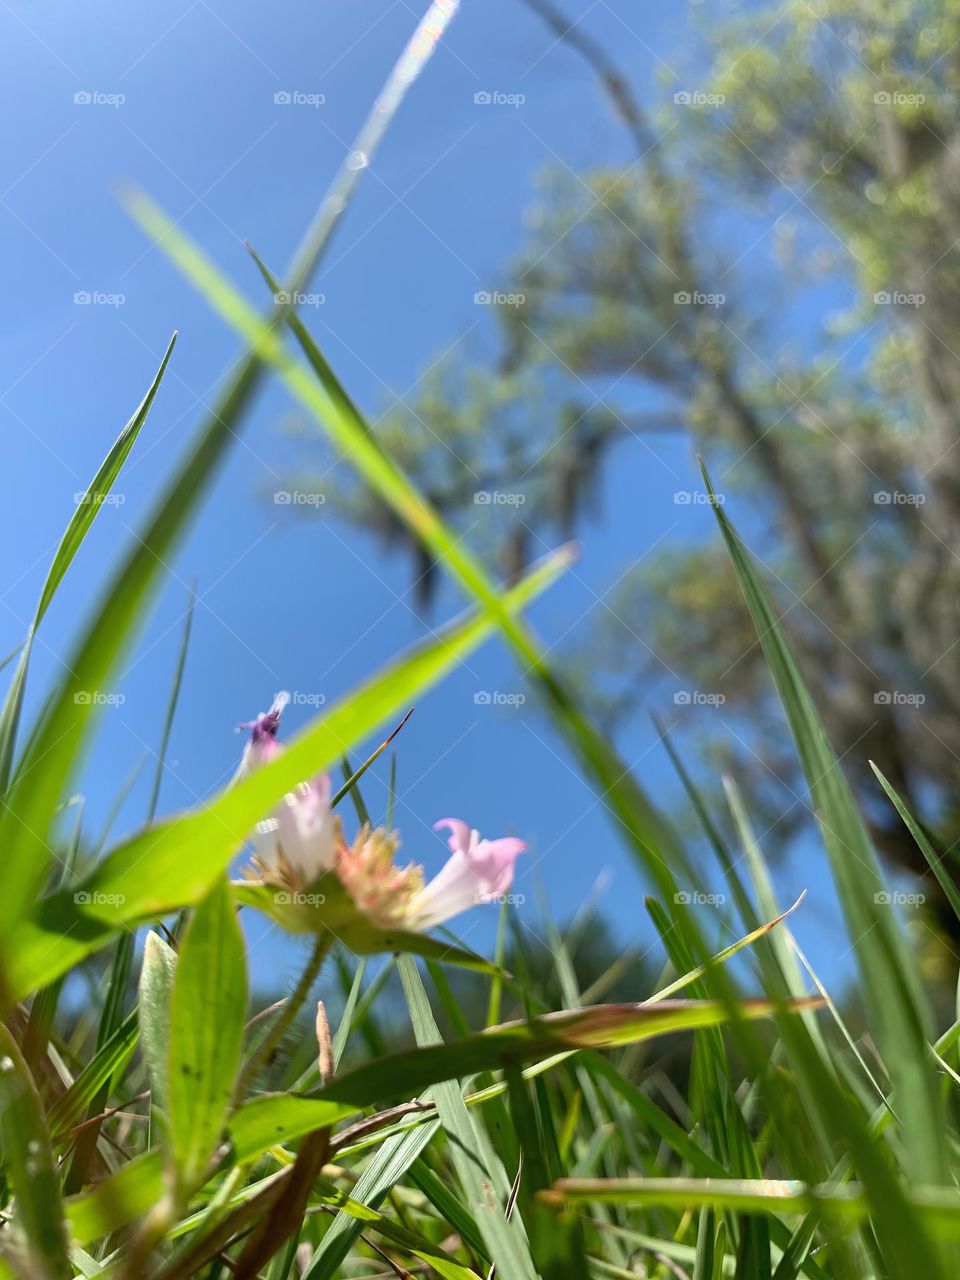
<point>263,744</point>
<point>297,843</point>
<point>477,871</point>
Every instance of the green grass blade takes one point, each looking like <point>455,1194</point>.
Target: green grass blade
<point>506,1244</point>
<point>207,1013</point>
<point>88,508</point>
<point>934,860</point>
<point>893,993</point>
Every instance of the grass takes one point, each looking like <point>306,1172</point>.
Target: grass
<point>174,1130</point>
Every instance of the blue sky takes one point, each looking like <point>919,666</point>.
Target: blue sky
<point>182,105</point>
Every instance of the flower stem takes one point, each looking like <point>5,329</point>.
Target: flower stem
<point>267,1047</point>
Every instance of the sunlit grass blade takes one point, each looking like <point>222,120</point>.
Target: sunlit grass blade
<point>939,1207</point>
<point>185,854</point>
<point>694,974</point>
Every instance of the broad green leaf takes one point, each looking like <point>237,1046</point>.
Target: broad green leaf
<point>184,854</point>
<point>30,1164</point>
<point>207,1014</point>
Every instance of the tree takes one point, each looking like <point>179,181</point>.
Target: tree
<point>776,275</point>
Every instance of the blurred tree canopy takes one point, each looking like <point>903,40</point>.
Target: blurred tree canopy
<point>775,273</point>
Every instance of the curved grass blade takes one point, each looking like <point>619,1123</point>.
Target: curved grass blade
<point>898,1007</point>
<point>88,508</point>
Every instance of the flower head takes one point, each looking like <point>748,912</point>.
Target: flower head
<point>297,844</point>
<point>382,891</point>
<point>263,744</point>
<point>303,840</point>
<point>477,871</point>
